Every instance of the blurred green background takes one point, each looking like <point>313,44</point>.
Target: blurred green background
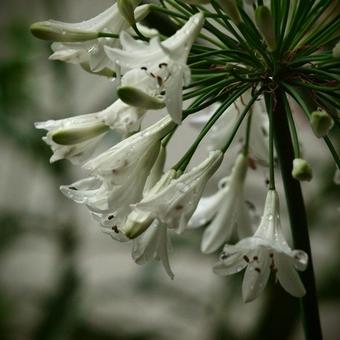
<point>61,278</point>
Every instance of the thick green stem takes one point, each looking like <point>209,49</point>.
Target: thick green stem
<point>297,216</point>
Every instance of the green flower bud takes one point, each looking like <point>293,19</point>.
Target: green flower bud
<point>49,30</point>
<point>230,8</point>
<point>264,22</point>
<point>301,170</point>
<point>336,50</point>
<point>127,8</point>
<point>136,223</point>
<point>135,97</point>
<point>71,136</point>
<point>321,123</point>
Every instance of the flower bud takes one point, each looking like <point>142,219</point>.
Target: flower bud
<point>336,50</point>
<point>53,31</point>
<point>71,136</point>
<point>264,22</point>
<point>301,170</point>
<point>321,123</point>
<point>136,223</point>
<point>127,8</point>
<point>230,8</point>
<point>135,97</point>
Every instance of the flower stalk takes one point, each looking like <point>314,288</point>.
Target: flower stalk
<point>297,216</point>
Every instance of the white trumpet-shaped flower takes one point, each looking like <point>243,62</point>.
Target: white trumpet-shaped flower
<point>91,53</point>
<point>266,251</point>
<point>153,244</point>
<point>225,211</point>
<point>119,176</point>
<point>176,202</point>
<point>155,72</point>
<point>76,137</point>
<point>223,128</point>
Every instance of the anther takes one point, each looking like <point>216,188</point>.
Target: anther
<point>246,258</point>
<point>258,270</point>
<point>162,64</point>
<point>144,68</point>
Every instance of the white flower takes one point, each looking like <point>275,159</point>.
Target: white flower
<point>226,210</point>
<point>76,137</point>
<point>119,176</point>
<point>91,53</point>
<point>153,244</point>
<point>222,129</point>
<point>176,202</point>
<point>156,67</point>
<point>266,251</point>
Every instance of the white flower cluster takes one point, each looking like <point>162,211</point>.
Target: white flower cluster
<point>127,191</point>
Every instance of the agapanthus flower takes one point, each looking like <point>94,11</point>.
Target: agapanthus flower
<point>118,176</point>
<point>265,252</point>
<point>81,43</point>
<point>224,211</point>
<point>176,202</point>
<point>224,126</point>
<point>75,138</point>
<point>157,66</point>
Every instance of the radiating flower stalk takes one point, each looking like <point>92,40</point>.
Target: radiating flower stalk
<point>254,66</point>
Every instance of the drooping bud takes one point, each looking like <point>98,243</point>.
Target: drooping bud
<point>230,8</point>
<point>336,50</point>
<point>301,170</point>
<point>135,97</point>
<point>127,8</point>
<point>265,24</point>
<point>321,123</point>
<point>71,136</point>
<point>136,223</point>
<point>54,31</point>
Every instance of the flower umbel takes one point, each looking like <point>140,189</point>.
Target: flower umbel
<point>255,66</point>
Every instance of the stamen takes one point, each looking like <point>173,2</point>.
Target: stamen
<point>246,258</point>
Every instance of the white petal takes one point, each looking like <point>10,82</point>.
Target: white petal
<point>288,276</point>
<point>230,263</point>
<point>221,227</point>
<point>206,210</point>
<point>256,277</point>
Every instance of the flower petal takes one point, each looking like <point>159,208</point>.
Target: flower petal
<point>288,276</point>
<point>256,276</point>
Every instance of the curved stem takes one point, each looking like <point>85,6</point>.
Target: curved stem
<point>297,216</point>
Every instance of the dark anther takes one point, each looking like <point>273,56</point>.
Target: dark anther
<point>144,68</point>
<point>255,258</point>
<point>271,255</point>
<point>110,217</point>
<point>258,270</point>
<point>115,229</point>
<point>162,64</point>
<point>159,81</point>
<point>163,92</point>
<point>246,258</point>
<point>152,75</point>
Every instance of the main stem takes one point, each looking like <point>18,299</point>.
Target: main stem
<point>297,216</point>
